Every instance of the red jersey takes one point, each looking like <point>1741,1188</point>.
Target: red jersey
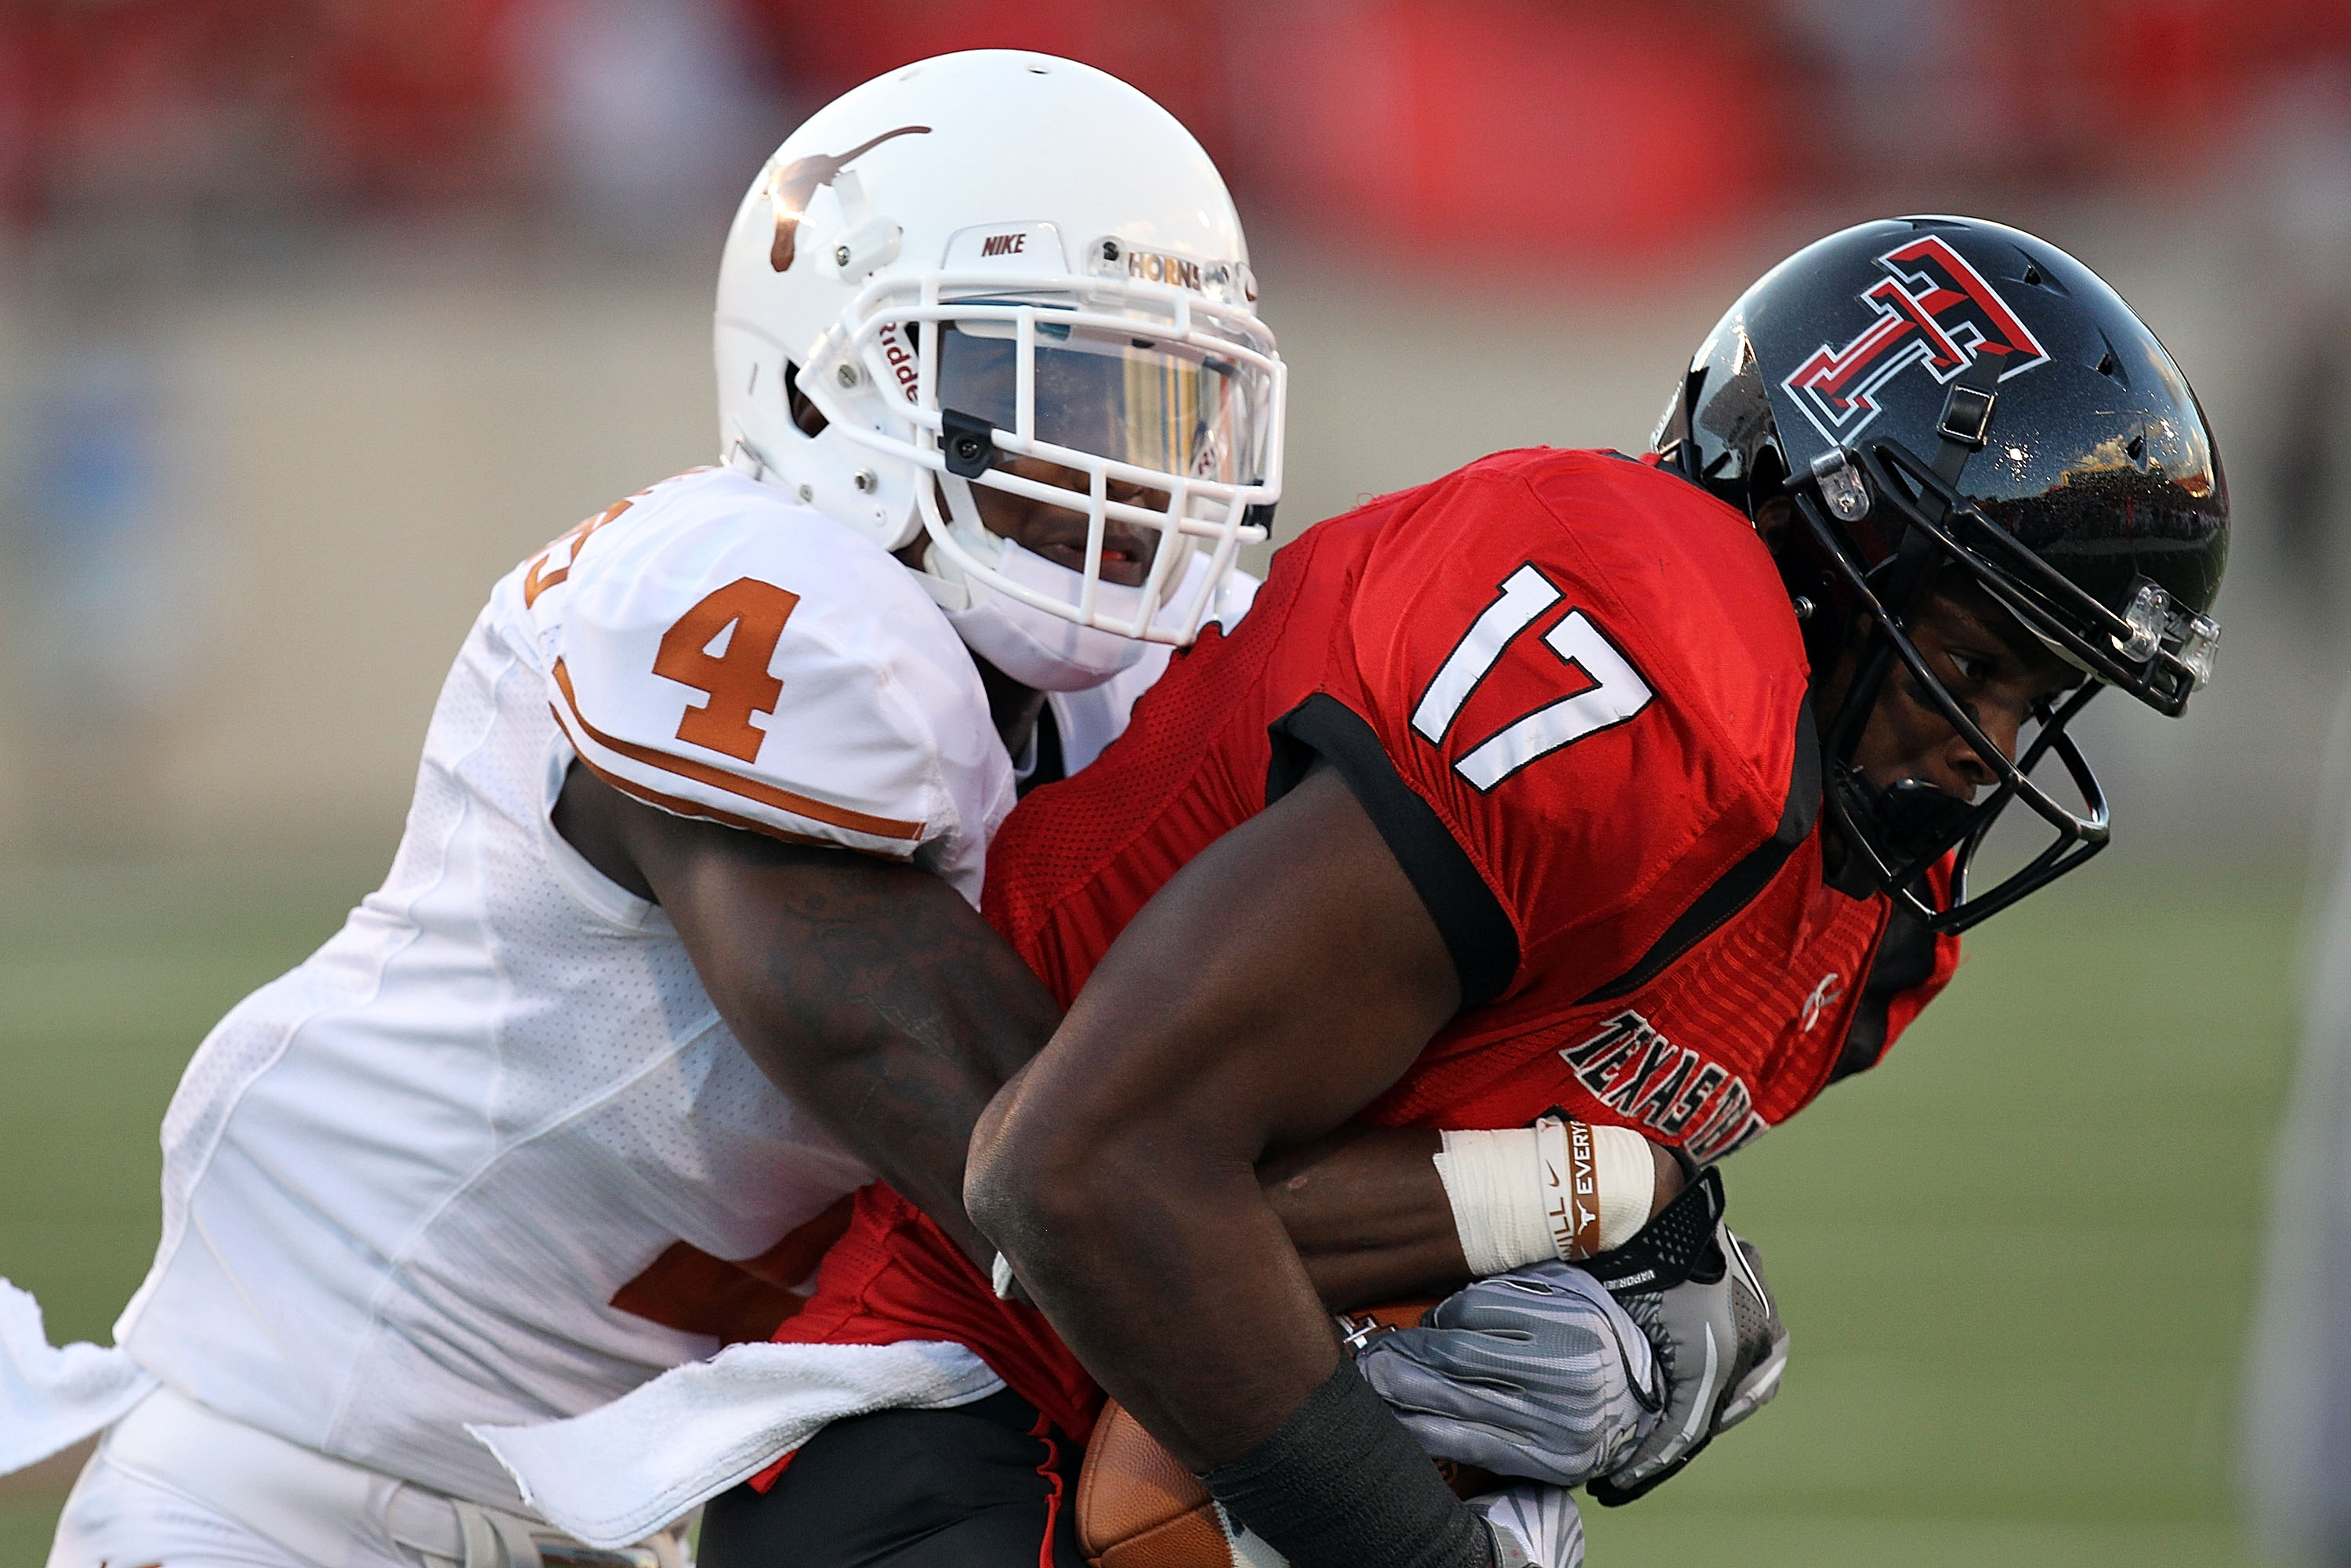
<point>1569,691</point>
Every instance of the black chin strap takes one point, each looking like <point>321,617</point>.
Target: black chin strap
<point>1966,423</point>
<point>1965,428</point>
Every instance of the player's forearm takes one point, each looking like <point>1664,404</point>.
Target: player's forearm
<point>899,1103</point>
<point>898,1048</point>
<point>1372,1221</point>
<point>1367,1214</point>
<point>867,991</point>
<point>1175,1284</point>
<point>1270,991</point>
<point>1130,1243</point>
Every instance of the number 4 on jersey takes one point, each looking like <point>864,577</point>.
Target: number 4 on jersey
<point>722,648</point>
<point>1618,691</point>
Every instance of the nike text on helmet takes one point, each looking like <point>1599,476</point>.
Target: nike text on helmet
<point>998,255</point>
<point>1937,394</point>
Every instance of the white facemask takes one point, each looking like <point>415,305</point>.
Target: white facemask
<point>1032,645</point>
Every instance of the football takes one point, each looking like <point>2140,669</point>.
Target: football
<point>1138,1508</point>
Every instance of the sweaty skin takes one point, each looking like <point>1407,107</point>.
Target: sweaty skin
<point>866,989</point>
<point>1277,984</point>
<point>870,992</point>
<point>1272,988</point>
<point>1994,668</point>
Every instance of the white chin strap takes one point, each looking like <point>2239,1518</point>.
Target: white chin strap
<point>1033,647</point>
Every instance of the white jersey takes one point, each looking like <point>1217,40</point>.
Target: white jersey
<point>403,1183</point>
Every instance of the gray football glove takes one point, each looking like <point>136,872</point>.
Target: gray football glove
<point>1534,1526</point>
<point>1699,1293</point>
<point>1538,1373</point>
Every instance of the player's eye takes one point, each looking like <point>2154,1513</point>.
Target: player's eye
<point>1972,667</point>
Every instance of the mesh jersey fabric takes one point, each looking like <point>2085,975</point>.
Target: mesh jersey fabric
<point>1091,718</point>
<point>403,1184</point>
<point>1585,858</point>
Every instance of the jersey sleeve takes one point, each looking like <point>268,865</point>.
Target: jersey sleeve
<point>725,654</point>
<point>1551,699</point>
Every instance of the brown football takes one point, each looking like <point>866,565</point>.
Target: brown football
<point>1137,1507</point>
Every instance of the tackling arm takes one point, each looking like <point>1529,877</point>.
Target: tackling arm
<point>875,996</point>
<point>866,989</point>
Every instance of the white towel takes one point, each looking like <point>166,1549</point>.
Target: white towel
<point>615,1475</point>
<point>51,1399</point>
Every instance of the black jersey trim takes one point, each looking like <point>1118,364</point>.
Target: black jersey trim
<point>1046,765</point>
<point>1476,932</point>
<point>1735,889</point>
<point>1905,961</point>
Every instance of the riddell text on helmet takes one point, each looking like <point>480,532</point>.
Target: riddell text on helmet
<point>900,359</point>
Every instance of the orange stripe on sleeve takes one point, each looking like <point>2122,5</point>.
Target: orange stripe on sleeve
<point>685,808</point>
<point>720,778</point>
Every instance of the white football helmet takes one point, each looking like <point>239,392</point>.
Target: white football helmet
<point>996,255</point>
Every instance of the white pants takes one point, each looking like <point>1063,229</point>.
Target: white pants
<point>115,1517</point>
<point>175,1485</point>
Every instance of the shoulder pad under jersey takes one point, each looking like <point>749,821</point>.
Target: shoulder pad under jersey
<point>718,650</point>
<point>1590,673</point>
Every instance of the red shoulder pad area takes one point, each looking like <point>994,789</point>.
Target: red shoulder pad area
<point>1590,670</point>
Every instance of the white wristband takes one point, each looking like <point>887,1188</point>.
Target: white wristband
<point>1526,1195</point>
<point>1628,1182</point>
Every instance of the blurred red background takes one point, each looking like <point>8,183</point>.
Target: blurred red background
<point>1514,130</point>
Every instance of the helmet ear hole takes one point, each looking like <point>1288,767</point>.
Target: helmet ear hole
<point>806,416</point>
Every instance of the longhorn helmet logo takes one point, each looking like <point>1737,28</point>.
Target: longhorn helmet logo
<point>789,186</point>
<point>1933,309</point>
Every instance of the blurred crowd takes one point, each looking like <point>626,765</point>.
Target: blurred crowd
<point>195,192</point>
<point>1512,129</point>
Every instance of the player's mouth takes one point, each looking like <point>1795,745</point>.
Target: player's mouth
<point>1058,534</point>
<point>1126,552</point>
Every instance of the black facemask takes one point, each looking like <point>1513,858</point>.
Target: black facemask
<point>1911,817</point>
<point>1940,394</point>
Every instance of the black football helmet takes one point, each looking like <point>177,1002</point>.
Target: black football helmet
<point>1939,393</point>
